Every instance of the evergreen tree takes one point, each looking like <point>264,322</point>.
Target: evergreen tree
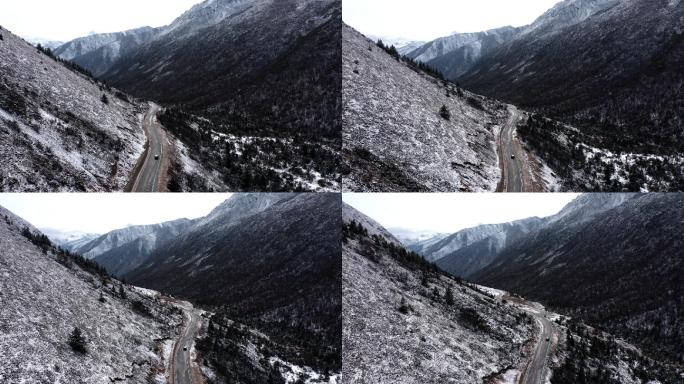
<point>122,292</point>
<point>102,299</point>
<point>449,296</point>
<point>444,112</point>
<point>105,99</point>
<point>77,341</point>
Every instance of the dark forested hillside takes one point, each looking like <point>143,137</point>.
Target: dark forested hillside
<point>615,74</point>
<point>620,270</point>
<point>273,265</point>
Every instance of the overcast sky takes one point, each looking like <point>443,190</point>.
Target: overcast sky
<point>65,20</point>
<point>427,20</point>
<point>452,212</point>
<point>101,213</point>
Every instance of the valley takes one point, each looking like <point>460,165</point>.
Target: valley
<point>596,112</point>
<point>571,310</point>
<point>245,91</point>
<point>187,301</point>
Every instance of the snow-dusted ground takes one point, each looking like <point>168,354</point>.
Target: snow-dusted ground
<point>293,373</point>
<point>392,111</point>
<point>41,301</point>
<point>431,343</point>
<point>56,133</point>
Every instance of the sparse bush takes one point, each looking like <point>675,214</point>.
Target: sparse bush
<point>105,99</point>
<point>449,296</point>
<point>403,307</point>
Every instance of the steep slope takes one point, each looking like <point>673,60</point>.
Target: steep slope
<point>123,250</point>
<point>456,54</point>
<point>619,269</point>
<point>233,56</point>
<point>398,325</point>
<point>45,294</point>
<point>471,250</point>
<point>100,51</point>
<point>609,67</point>
<point>59,129</point>
<point>270,261</point>
<point>394,136</point>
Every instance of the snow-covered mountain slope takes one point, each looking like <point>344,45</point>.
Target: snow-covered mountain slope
<point>410,237</point>
<point>404,46</point>
<point>60,130</point>
<point>122,250</point>
<point>394,136</point>
<point>471,250</point>
<point>51,44</point>
<point>44,295</point>
<point>467,252</point>
<point>398,325</point>
<point>67,239</point>
<point>99,51</point>
<point>454,55</point>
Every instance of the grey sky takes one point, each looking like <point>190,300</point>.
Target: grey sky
<point>101,213</point>
<point>452,212</point>
<point>426,20</point>
<point>64,20</point>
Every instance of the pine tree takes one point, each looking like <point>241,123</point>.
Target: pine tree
<point>102,299</point>
<point>77,341</point>
<point>105,99</point>
<point>122,292</point>
<point>444,112</point>
<point>449,296</point>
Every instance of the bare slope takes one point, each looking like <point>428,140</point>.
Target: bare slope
<point>43,296</point>
<point>398,325</point>
<point>60,130</point>
<point>394,136</point>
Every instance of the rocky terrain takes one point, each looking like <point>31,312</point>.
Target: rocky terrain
<point>61,130</point>
<point>399,324</point>
<point>394,136</point>
<point>45,294</point>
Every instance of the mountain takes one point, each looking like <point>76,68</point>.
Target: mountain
<point>405,320</point>
<point>51,44</point>
<point>410,237</point>
<point>46,293</point>
<point>607,67</point>
<point>98,52</point>
<point>395,311</point>
<point>57,133</point>
<point>603,70</point>
<point>618,268</point>
<point>456,54</point>
<point>404,46</point>
<point>228,57</point>
<point>252,88</point>
<point>65,239</point>
<point>389,151</point>
<point>269,261</point>
<point>123,250</point>
<point>471,250</point>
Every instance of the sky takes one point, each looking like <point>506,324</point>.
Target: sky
<point>427,20</point>
<point>452,212</point>
<point>100,213</point>
<point>64,20</point>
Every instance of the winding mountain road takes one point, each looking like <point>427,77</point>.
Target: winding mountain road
<point>511,155</point>
<point>182,369</point>
<point>534,372</point>
<point>155,165</point>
